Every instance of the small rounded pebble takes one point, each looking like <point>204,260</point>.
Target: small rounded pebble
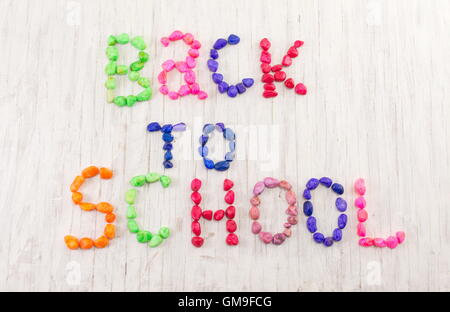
<point>233,39</point>
<point>341,204</point>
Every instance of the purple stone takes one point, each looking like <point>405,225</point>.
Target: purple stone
<point>240,88</point>
<point>306,194</point>
<point>337,235</point>
<point>341,204</point>
<point>203,139</point>
<point>214,54</point>
<point>220,43</point>
<point>312,184</point>
<point>220,126</point>
<point>248,82</point>
<point>342,221</point>
<point>337,188</point>
<point>232,91</point>
<point>179,127</point>
<point>223,87</point>
<point>153,126</point>
<point>217,78</point>
<point>233,39</point>
<point>318,237</point>
<point>326,181</point>
<point>308,208</point>
<point>213,65</point>
<point>328,241</point>
<point>311,224</point>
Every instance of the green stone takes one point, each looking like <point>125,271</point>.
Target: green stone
<point>155,241</point>
<point>112,40</point>
<point>123,38</point>
<point>131,212</point>
<point>130,196</point>
<point>110,83</point>
<point>138,180</point>
<point>164,232</point>
<point>152,177</point>
<point>136,66</point>
<point>145,95</point>
<point>112,53</point>
<point>144,236</point>
<point>133,76</point>
<point>165,181</point>
<point>122,69</point>
<point>132,225</point>
<point>138,43</point>
<point>143,56</point>
<point>110,95</point>
<point>120,101</point>
<point>131,99</point>
<point>144,82</point>
<point>110,68</point>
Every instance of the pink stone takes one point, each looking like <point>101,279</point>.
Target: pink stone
<point>287,232</point>
<point>360,186</point>
<point>173,95</point>
<point>287,61</point>
<point>162,77</point>
<point>271,182</point>
<point>293,220</point>
<point>292,211</point>
<point>361,229</point>
<point>400,236</point>
<point>202,95</point>
<point>168,65</point>
<point>379,242</point>
<point>287,225</point>
<point>165,41</point>
<point>256,227</point>
<point>255,201</point>
<point>391,242</point>
<point>300,88</point>
<point>291,198</point>
<point>195,88</point>
<point>258,188</point>
<point>196,44</point>
<point>164,89</point>
<point>362,215</point>
<point>181,66</point>
<point>189,77</point>
<point>360,202</point>
<point>188,38</point>
<point>285,184</point>
<point>254,213</point>
<point>190,62</point>
<point>366,242</point>
<point>176,35</point>
<point>265,57</point>
<point>266,237</point>
<point>184,90</point>
<point>193,53</point>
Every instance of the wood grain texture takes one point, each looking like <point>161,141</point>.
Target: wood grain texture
<point>378,78</point>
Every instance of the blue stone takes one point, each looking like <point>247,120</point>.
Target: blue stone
<point>326,181</point>
<point>232,91</point>
<point>328,241</point>
<point>337,188</point>
<point>229,156</point>
<point>312,184</point>
<point>167,146</point>
<point>240,88</point>
<point>203,151</point>
<point>168,155</point>
<point>153,126</point>
<point>229,134</point>
<point>220,43</point>
<point>341,204</point>
<point>220,126</point>
<point>307,194</point>
<point>248,82</point>
<point>318,237</point>
<point>311,224</point>
<point>308,208</point>
<point>222,165</point>
<point>208,128</point>
<point>233,39</point>
<point>167,164</point>
<point>337,235</point>
<point>213,65</point>
<point>203,139</point>
<point>217,78</point>
<point>214,54</point>
<point>223,87</point>
<point>342,221</point>
<point>167,137</point>
<point>232,146</point>
<point>167,128</point>
<point>179,127</point>
<point>208,163</point>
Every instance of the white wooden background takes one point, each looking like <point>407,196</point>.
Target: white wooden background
<point>378,79</point>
